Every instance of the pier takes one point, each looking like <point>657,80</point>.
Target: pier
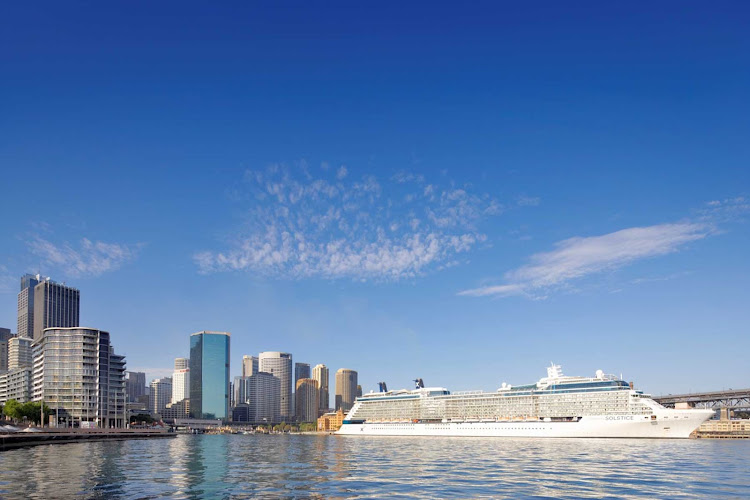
<point>59,436</point>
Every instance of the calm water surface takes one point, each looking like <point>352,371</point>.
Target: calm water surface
<point>307,466</point>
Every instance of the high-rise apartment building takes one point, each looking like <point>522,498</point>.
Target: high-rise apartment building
<point>19,353</point>
<point>320,374</point>
<point>135,384</point>
<point>55,306</point>
<point>78,375</point>
<point>160,395</point>
<point>279,364</point>
<point>26,305</point>
<point>16,384</point>
<point>249,365</point>
<point>307,399</point>
<point>209,375</point>
<point>346,388</point>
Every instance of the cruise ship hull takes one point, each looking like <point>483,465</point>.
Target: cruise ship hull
<point>670,424</point>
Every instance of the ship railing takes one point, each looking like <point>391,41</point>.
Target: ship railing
<point>465,393</point>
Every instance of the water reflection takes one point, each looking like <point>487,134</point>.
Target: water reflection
<point>197,467</point>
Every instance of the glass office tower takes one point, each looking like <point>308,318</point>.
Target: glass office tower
<point>209,375</point>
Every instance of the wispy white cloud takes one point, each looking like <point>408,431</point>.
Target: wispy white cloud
<point>363,229</point>
<point>6,280</point>
<point>575,258</point>
<point>528,201</point>
<point>89,258</point>
<point>654,279</point>
<point>578,257</point>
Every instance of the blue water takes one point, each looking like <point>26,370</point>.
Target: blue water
<point>309,466</point>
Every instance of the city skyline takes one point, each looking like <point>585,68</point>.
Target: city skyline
<point>477,197</point>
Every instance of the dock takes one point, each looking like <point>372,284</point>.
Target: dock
<point>55,436</point>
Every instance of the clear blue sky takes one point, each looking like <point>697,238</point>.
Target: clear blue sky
<point>458,193</point>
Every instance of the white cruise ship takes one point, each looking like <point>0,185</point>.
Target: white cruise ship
<point>602,406</point>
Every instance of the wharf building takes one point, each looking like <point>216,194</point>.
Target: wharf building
<point>160,395</point>
<point>346,389</point>
<point>257,399</point>
<point>279,364</point>
<point>135,384</point>
<point>209,375</point>
<point>332,421</point>
<point>320,374</point>
<point>249,366</point>
<point>78,375</point>
<point>307,398</point>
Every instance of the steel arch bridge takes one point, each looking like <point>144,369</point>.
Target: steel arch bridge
<point>734,399</point>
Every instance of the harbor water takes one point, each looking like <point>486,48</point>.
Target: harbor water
<point>326,466</point>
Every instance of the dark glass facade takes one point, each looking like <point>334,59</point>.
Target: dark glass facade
<point>209,375</point>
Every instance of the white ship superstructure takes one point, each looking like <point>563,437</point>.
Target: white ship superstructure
<point>556,406</point>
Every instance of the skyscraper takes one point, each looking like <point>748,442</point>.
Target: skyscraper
<point>135,384</point>
<point>346,388</point>
<point>320,373</point>
<point>160,395</point>
<point>263,396</point>
<point>181,363</point>
<point>26,305</point>
<point>209,375</point>
<point>307,399</point>
<point>5,336</point>
<point>55,306</point>
<point>249,365</point>
<point>279,364</point>
<point>78,375</point>
<point>301,370</point>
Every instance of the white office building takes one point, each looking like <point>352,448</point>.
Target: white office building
<point>180,385</point>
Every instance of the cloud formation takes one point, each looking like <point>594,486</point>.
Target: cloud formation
<point>6,280</point>
<point>299,226</point>
<point>577,257</point>
<point>89,258</point>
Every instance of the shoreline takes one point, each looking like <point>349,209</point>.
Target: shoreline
<point>24,439</point>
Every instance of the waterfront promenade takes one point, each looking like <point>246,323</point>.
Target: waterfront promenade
<point>59,436</point>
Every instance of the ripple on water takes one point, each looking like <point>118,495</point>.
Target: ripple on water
<point>196,467</point>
